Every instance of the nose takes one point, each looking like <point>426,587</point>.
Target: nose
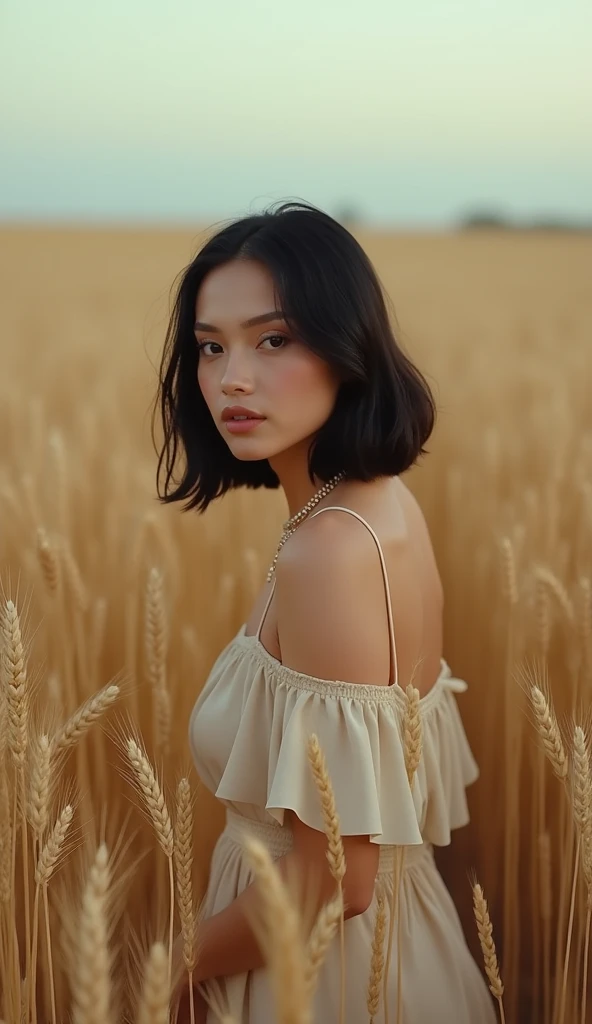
<point>237,376</point>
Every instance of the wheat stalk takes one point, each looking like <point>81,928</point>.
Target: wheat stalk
<point>581,795</point>
<point>281,937</point>
<point>154,1001</point>
<point>546,910</point>
<point>73,576</point>
<point>5,838</point>
<point>485,932</point>
<point>80,722</point>
<point>377,959</point>
<point>44,868</point>
<point>91,988</point>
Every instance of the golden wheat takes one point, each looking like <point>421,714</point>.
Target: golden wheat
<point>153,796</point>
<point>485,932</point>
<point>13,667</point>
<point>83,718</point>
<point>48,560</point>
<point>39,786</point>
<point>322,934</point>
<point>281,936</point>
<point>335,852</point>
<point>549,732</point>
<point>154,1001</point>
<point>91,983</point>
<point>412,732</point>
<point>183,849</point>
<point>377,959</point>
<point>50,853</point>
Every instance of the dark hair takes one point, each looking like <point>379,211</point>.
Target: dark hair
<point>333,300</point>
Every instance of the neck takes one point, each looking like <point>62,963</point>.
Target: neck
<point>292,469</point>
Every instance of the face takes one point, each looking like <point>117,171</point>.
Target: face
<point>260,366</point>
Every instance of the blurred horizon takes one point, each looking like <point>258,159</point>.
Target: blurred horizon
<point>135,115</point>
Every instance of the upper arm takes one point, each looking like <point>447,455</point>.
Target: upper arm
<point>331,602</point>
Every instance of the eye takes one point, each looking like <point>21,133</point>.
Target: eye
<point>275,337</point>
<point>202,344</point>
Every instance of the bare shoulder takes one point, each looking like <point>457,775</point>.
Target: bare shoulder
<point>332,619</point>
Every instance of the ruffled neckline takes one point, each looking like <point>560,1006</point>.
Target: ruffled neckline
<point>393,694</point>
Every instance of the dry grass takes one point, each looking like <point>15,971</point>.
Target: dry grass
<point>502,324</point>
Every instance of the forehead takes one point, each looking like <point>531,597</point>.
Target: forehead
<point>239,289</point>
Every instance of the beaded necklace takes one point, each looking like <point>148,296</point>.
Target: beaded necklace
<point>292,524</point>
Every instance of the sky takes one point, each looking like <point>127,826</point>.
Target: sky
<point>408,113</point>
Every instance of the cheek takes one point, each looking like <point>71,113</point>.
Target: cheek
<point>301,379</point>
<point>204,384</point>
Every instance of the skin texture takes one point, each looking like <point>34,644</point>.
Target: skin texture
<point>280,379</point>
<point>328,615</point>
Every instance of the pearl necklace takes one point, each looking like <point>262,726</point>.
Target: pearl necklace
<point>292,524</point>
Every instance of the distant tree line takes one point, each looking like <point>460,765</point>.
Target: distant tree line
<point>486,219</point>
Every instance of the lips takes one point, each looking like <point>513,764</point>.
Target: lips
<point>240,413</point>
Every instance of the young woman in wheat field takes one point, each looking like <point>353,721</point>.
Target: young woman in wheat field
<point>281,319</point>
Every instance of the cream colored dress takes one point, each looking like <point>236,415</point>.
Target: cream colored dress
<point>248,734</point>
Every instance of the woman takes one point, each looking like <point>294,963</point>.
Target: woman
<point>281,370</point>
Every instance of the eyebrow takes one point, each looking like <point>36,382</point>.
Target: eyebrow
<point>262,318</point>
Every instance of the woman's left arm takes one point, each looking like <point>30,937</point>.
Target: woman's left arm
<point>226,941</point>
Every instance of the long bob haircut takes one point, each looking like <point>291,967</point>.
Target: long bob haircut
<point>333,302</point>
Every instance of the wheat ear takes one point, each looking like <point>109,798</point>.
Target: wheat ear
<point>377,959</point>
<point>157,809</point>
<point>509,575</point>
<point>48,560</point>
<point>91,989</point>
<point>322,934</point>
<point>183,847</point>
<point>548,730</point>
<point>156,642</point>
<point>558,591</point>
<point>335,851</point>
<point>80,722</point>
<point>15,675</point>
<point>412,732</point>
<point>39,786</point>
<point>280,933</point>
<point>485,932</point>
<point>154,1000</point>
<point>48,858</point>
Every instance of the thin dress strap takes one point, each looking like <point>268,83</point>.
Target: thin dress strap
<point>393,648</point>
<point>265,610</point>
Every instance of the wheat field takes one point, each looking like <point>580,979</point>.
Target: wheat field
<point>112,608</point>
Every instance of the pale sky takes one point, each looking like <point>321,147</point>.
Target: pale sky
<point>180,111</point>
